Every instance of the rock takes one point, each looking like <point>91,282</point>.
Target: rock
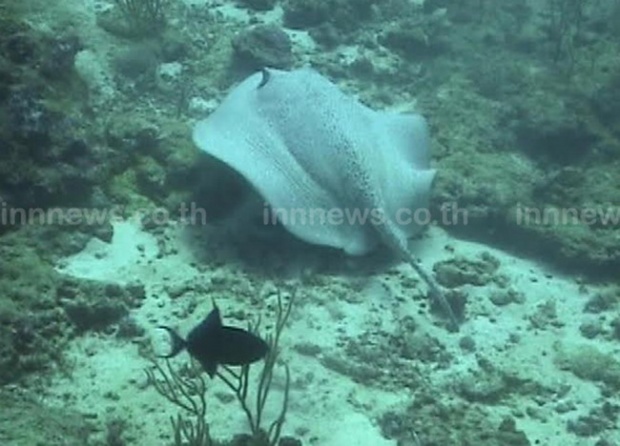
<point>59,57</point>
<point>136,61</point>
<point>20,48</point>
<point>589,363</point>
<point>411,42</point>
<point>553,129</point>
<point>461,271</point>
<point>509,435</point>
<point>502,298</point>
<point>300,14</point>
<point>263,46</point>
<point>345,15</point>
<point>259,5</point>
<point>93,305</point>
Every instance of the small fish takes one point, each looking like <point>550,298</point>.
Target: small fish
<point>212,343</point>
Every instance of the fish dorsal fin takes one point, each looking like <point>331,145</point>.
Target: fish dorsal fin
<point>214,319</point>
<point>209,326</point>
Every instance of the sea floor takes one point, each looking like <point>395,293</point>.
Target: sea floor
<point>331,404</point>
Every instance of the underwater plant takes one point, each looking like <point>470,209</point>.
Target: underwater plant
<point>189,394</point>
<point>239,382</point>
<point>135,18</point>
<point>187,390</point>
<point>147,17</point>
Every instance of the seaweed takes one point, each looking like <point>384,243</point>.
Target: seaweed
<point>189,391</point>
<point>135,18</point>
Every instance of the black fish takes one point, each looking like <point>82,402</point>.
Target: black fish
<point>212,343</point>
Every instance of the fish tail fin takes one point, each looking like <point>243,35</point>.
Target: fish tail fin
<point>178,343</point>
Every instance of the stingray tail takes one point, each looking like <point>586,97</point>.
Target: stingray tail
<point>435,292</point>
<point>178,343</point>
<point>400,246</point>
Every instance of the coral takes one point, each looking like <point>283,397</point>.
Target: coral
<point>462,423</point>
<point>60,57</point>
<point>345,15</point>
<point>260,5</point>
<point>48,156</point>
<point>418,37</point>
<point>93,73</point>
<point>41,310</point>
<point>263,46</point>
<point>20,48</point>
<point>589,363</point>
<point>135,18</point>
<point>136,61</point>
<point>460,271</point>
<point>93,306</point>
<point>552,128</point>
<point>153,169</point>
<point>29,119</point>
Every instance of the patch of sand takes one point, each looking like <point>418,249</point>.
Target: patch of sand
<point>326,408</point>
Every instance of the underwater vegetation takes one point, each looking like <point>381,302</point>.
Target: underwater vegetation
<point>135,18</point>
<point>46,150</point>
<point>190,392</point>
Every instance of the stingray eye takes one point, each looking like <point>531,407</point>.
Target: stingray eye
<point>266,76</point>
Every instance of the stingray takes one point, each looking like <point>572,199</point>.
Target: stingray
<point>333,171</point>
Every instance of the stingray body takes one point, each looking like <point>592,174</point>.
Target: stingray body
<point>333,171</point>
